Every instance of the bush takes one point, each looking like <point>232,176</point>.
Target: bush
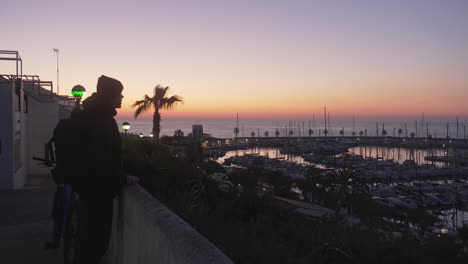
<point>250,229</point>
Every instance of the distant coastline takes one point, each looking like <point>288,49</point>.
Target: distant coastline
<point>223,127</point>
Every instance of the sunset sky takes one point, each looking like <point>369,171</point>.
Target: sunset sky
<point>258,58</point>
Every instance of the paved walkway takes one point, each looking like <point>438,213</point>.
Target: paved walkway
<point>25,225</point>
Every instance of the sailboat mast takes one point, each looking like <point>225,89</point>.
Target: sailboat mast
<point>422,125</point>
<point>416,127</point>
<point>313,120</point>
<point>447,129</point>
<point>325,116</point>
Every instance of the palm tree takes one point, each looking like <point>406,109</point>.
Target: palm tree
<point>266,134</point>
<point>400,131</point>
<point>178,133</point>
<point>361,133</point>
<point>159,101</point>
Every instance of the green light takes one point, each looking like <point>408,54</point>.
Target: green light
<point>78,91</point>
<point>78,94</point>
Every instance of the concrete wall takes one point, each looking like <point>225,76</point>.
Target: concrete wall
<point>145,231</point>
<point>12,135</point>
<point>22,171</point>
<point>20,141</point>
<point>6,134</point>
<point>42,119</point>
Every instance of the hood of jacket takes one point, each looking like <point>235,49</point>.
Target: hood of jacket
<point>99,105</point>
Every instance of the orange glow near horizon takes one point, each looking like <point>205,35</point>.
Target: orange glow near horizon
<point>266,59</point>
<point>342,99</point>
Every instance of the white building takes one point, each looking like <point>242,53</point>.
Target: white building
<point>28,115</point>
<point>197,131</point>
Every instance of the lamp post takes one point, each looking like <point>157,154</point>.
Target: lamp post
<point>78,92</point>
<point>126,126</point>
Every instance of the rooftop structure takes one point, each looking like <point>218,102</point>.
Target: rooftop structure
<point>29,111</point>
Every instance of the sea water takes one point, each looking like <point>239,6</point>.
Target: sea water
<point>224,127</point>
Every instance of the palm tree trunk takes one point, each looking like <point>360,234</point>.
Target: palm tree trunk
<point>156,124</point>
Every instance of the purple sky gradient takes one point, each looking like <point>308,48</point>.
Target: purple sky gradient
<point>254,56</point>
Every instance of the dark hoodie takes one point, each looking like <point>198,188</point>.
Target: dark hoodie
<point>102,149</point>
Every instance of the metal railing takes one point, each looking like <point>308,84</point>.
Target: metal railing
<point>12,55</point>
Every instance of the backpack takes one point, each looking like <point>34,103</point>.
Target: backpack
<point>67,145</point>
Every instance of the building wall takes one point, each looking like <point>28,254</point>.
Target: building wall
<point>20,140</point>
<point>64,112</point>
<point>23,135</point>
<point>41,121</point>
<point>6,135</point>
<point>145,231</point>
<point>12,134</point>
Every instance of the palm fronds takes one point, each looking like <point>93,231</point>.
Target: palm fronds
<point>158,102</point>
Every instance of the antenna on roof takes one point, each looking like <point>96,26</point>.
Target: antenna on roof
<point>56,51</point>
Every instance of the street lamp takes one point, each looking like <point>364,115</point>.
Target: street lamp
<point>126,126</point>
<point>141,135</point>
<point>78,92</point>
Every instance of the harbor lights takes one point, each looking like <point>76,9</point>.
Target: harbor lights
<point>141,135</point>
<point>126,127</point>
<point>151,134</point>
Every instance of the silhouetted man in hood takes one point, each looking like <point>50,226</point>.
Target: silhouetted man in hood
<point>103,177</point>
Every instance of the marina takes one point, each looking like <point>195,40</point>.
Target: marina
<point>396,175</point>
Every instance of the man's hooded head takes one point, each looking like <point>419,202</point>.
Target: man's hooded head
<point>108,86</point>
<point>111,89</point>
<point>107,98</point>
